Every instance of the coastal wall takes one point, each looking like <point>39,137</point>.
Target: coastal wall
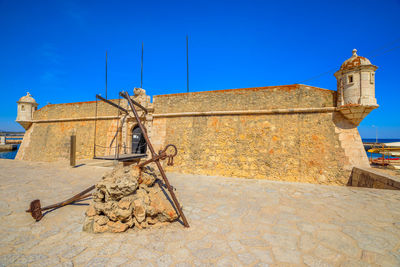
<point>48,139</point>
<point>289,133</point>
<point>286,133</point>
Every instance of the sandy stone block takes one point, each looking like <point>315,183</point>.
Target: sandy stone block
<point>117,227</point>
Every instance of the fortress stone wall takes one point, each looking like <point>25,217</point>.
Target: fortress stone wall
<point>286,133</point>
<point>48,139</point>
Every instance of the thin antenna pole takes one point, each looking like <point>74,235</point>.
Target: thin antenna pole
<point>106,74</point>
<point>187,62</point>
<point>141,74</point>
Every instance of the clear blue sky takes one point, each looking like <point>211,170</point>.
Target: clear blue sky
<point>56,49</point>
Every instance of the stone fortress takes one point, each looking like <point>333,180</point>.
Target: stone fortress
<point>288,133</point>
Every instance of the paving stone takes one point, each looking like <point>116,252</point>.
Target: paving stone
<point>127,249</point>
<point>145,254</point>
<point>84,257</point>
<point>98,262</point>
<point>253,242</point>
<point>9,258</point>
<point>46,262</point>
<point>307,242</point>
<point>382,260</point>
<point>327,254</point>
<point>354,263</point>
<point>72,252</point>
<point>139,263</point>
<point>156,245</point>
<point>340,242</point>
<point>286,255</point>
<point>117,261</point>
<point>23,238</point>
<point>246,258</point>
<point>263,255</point>
<point>315,262</point>
<point>261,264</point>
<point>164,260</point>
<point>207,253</point>
<point>371,239</point>
<point>239,222</point>
<point>284,241</point>
<point>227,261</point>
<point>26,259</point>
<point>181,254</point>
<point>236,246</point>
<point>65,264</point>
<point>109,249</point>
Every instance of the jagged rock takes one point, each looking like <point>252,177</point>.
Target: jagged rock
<point>161,206</point>
<point>139,210</point>
<point>123,214</point>
<point>88,224</point>
<point>100,228</point>
<point>125,203</point>
<point>101,220</point>
<point>98,196</point>
<point>117,227</point>
<point>108,209</point>
<point>127,197</point>
<point>148,176</point>
<point>91,211</point>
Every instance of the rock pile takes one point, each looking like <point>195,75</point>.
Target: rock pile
<point>125,198</point>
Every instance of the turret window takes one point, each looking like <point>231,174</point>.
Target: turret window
<point>372,78</point>
<point>22,107</point>
<point>350,78</point>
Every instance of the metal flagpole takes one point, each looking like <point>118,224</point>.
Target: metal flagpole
<point>106,74</point>
<point>187,62</point>
<point>141,74</point>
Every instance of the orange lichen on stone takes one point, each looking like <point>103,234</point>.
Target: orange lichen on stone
<point>356,61</point>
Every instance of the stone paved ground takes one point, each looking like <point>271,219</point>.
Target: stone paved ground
<point>234,222</point>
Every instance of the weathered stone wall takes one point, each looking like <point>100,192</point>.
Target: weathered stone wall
<point>367,177</point>
<point>48,139</point>
<point>290,133</point>
<point>75,110</point>
<point>292,146</point>
<point>273,97</point>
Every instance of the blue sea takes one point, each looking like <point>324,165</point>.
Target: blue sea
<point>9,154</point>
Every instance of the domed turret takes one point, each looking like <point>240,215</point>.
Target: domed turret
<point>356,88</point>
<point>26,107</point>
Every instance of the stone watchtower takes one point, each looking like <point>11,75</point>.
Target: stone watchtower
<point>356,88</point>
<point>26,107</point>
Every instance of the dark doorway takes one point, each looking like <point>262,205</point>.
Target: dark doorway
<point>139,145</point>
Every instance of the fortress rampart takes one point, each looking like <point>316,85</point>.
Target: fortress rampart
<point>289,133</point>
<point>48,139</point>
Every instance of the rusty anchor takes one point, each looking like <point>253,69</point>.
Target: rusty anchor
<point>154,157</point>
<point>36,209</point>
